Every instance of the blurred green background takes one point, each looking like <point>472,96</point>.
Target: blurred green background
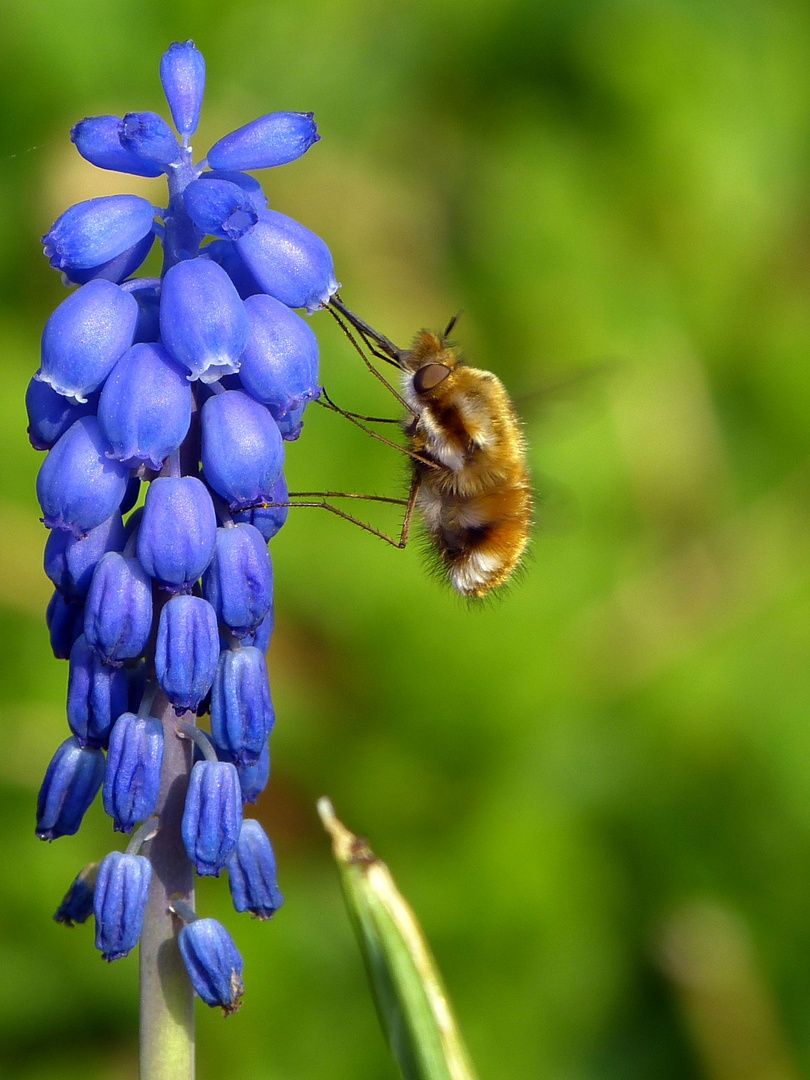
<point>595,791</point>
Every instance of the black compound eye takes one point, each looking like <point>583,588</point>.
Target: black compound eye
<point>429,376</point>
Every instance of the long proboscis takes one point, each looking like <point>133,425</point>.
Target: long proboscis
<point>392,353</point>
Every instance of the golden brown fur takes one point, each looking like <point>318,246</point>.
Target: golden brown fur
<point>477,503</point>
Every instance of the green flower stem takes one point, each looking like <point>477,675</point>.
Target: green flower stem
<point>167,999</point>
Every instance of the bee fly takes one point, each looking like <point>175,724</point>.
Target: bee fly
<point>469,480</point>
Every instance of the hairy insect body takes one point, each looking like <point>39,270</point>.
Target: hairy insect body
<point>476,501</point>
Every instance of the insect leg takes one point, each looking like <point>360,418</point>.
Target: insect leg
<point>352,418</point>
<point>320,503</point>
<point>377,374</point>
<point>326,401</point>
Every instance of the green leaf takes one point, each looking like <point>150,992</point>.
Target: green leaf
<point>411,1000</point>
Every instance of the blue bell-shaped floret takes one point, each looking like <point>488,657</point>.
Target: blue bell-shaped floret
<point>253,778</point>
<point>225,254</point>
<point>145,407</point>
<point>85,337</point>
<point>213,963</point>
<point>242,714</point>
<point>65,621</point>
<point>117,269</point>
<point>118,609</point>
<point>289,262</point>
<point>239,580</point>
<point>177,531</point>
<point>71,783</point>
<point>148,136</point>
<point>212,816</point>
<point>119,901</point>
<point>220,208</point>
<point>78,486</point>
<point>279,366</point>
<point>97,694</point>
<point>96,139</point>
<point>274,139</point>
<point>77,903</point>
<point>252,874</point>
<point>70,562</point>
<point>50,414</point>
<point>187,650</point>
<point>93,232</point>
<point>292,424</point>
<point>242,449</point>
<point>261,636</point>
<point>249,185</point>
<point>132,776</point>
<point>268,519</point>
<point>182,73</point>
<point>203,323</point>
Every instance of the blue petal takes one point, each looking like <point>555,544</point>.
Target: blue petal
<point>289,262</point>
<point>117,269</point>
<point>149,137</point>
<point>96,139</point>
<point>97,695</point>
<point>242,449</point>
<point>239,580</point>
<point>118,609</point>
<point>93,232</point>
<point>187,650</point>
<point>177,532</point>
<point>78,486</point>
<point>182,73</point>
<point>249,185</point>
<point>145,406</point>
<point>71,783</point>
<point>70,562</point>
<point>253,778</point>
<point>119,903</point>
<point>252,876</point>
<point>280,363</point>
<point>132,777</point>
<point>65,620</point>
<point>85,336</point>
<point>274,139</point>
<point>268,519</point>
<point>224,253</point>
<point>213,963</point>
<point>292,424</point>
<point>242,715</point>
<point>212,816</point>
<point>220,208</point>
<point>50,413</point>
<point>203,322</point>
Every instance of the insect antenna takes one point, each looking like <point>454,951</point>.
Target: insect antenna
<point>451,324</point>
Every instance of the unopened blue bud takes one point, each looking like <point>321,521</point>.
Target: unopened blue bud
<point>149,137</point>
<point>249,184</point>
<point>177,531</point>
<point>97,695</point>
<point>280,363</point>
<point>219,208</point>
<point>118,609</point>
<point>253,778</point>
<point>93,232</point>
<point>268,519</point>
<point>182,73</point>
<point>117,269</point>
<point>50,414</point>
<point>71,783</point>
<point>65,620</point>
<point>145,407</point>
<point>213,963</point>
<point>224,253</point>
<point>274,139</point>
<point>239,580</point>
<point>289,262</point>
<point>212,816</point>
<point>78,486</point>
<point>242,715</point>
<point>292,424</point>
<point>187,650</point>
<point>203,323</point>
<point>252,874</point>
<point>85,336</point>
<point>120,899</point>
<point>242,449</point>
<point>132,776</point>
<point>96,139</point>
<point>77,903</point>
<point>70,563</point>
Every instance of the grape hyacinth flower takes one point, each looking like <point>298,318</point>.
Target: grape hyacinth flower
<point>163,405</point>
